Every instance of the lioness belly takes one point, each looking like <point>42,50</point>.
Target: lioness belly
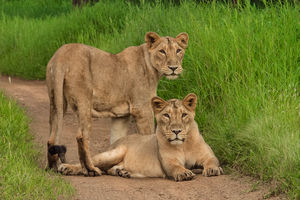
<point>143,166</point>
<point>141,159</point>
<point>120,109</point>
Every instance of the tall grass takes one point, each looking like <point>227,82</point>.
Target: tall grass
<point>20,176</point>
<point>242,62</point>
<point>34,9</point>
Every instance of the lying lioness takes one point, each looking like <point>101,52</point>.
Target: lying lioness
<point>176,147</point>
<point>100,84</point>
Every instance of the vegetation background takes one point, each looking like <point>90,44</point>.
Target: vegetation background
<point>242,62</point>
<point>20,175</point>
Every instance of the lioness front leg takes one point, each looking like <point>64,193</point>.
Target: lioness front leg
<point>211,168</point>
<point>85,117</point>
<point>182,174</point>
<point>209,161</point>
<point>177,171</point>
<point>144,120</point>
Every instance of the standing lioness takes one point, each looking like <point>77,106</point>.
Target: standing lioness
<point>176,147</point>
<point>96,83</point>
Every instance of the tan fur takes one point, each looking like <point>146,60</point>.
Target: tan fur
<point>175,149</point>
<point>96,83</point>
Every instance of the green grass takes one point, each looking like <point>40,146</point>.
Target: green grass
<point>34,9</point>
<point>242,62</point>
<point>20,176</point>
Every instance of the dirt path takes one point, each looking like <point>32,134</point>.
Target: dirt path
<point>32,95</point>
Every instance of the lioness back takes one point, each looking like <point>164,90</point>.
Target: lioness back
<point>96,69</point>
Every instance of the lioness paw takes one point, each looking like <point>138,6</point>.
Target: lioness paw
<point>95,171</point>
<point>212,171</point>
<point>67,169</point>
<point>123,173</point>
<point>184,176</point>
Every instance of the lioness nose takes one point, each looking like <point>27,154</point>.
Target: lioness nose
<point>172,67</point>
<point>176,131</point>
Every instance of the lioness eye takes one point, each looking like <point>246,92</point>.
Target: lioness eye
<point>166,115</point>
<point>183,115</point>
<point>162,51</point>
<point>178,50</point>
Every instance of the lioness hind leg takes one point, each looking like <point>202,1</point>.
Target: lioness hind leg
<point>108,159</point>
<point>57,109</point>
<point>85,158</point>
<point>103,160</point>
<point>118,170</point>
<point>68,169</point>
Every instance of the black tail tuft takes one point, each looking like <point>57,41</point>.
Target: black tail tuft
<point>57,149</point>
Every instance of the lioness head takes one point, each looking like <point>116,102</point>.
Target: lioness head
<point>166,53</point>
<point>174,117</point>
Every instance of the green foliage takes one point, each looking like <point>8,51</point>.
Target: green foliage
<point>20,176</point>
<point>34,9</point>
<point>242,62</point>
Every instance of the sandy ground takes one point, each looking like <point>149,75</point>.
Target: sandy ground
<point>33,97</point>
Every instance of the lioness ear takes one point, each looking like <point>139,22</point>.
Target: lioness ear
<point>151,38</point>
<point>158,104</point>
<point>182,39</point>
<point>190,102</point>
